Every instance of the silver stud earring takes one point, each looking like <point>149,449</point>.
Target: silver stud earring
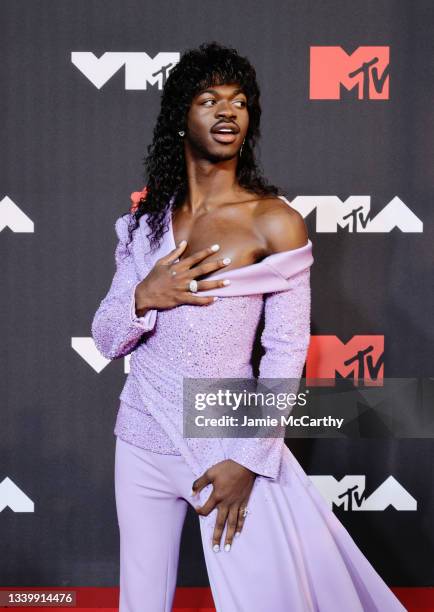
<point>181,133</point>
<point>241,149</point>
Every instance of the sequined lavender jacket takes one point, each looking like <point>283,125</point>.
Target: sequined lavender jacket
<point>204,341</point>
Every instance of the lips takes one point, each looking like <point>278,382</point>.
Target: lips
<point>225,137</point>
<point>225,128</point>
<point>225,132</point>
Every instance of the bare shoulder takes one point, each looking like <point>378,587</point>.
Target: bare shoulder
<point>281,226</point>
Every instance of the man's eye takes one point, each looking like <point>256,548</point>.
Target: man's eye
<point>236,102</point>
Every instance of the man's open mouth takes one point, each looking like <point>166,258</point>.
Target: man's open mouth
<point>225,133</point>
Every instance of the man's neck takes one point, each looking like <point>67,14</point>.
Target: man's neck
<point>210,184</point>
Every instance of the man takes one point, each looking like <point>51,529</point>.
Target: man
<point>216,208</point>
<point>204,186</point>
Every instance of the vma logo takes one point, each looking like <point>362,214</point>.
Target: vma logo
<point>14,218</point>
<point>349,493</point>
<point>354,215</point>
<point>11,496</point>
<point>85,347</point>
<point>362,357</point>
<point>140,69</point>
<point>366,71</point>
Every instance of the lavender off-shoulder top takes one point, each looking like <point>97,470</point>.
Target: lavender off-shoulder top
<point>194,341</point>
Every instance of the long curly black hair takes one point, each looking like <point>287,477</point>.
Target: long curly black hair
<point>165,169</point>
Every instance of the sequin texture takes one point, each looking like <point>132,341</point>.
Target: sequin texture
<point>212,341</point>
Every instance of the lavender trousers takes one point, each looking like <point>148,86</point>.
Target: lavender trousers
<point>293,554</point>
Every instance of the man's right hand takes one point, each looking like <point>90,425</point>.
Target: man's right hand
<point>162,289</point>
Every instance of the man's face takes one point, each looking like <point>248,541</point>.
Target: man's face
<point>217,122</point>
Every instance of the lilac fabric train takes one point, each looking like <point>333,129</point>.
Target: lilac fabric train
<point>216,342</point>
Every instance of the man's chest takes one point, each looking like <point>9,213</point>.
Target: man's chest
<point>233,228</point>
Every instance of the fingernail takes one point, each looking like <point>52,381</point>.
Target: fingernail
<point>237,534</point>
<point>227,547</point>
<point>193,493</point>
<point>215,298</point>
<point>227,260</point>
<point>216,548</point>
<point>182,243</point>
<point>215,247</point>
<point>226,282</point>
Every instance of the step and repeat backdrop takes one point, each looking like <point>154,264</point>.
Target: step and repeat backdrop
<point>347,133</point>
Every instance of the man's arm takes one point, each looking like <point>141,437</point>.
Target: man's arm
<point>116,327</point>
<point>285,337</point>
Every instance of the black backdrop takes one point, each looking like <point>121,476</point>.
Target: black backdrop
<point>74,134</point>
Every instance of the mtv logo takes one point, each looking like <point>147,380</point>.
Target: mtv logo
<point>366,70</point>
<point>362,357</point>
<point>349,494</point>
<point>140,68</point>
<point>354,215</point>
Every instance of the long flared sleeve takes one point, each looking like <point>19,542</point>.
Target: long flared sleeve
<point>116,328</point>
<point>285,338</point>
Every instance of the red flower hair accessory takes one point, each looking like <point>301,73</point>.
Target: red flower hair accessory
<point>136,198</point>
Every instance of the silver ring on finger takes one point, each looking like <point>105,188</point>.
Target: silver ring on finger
<point>244,512</point>
<point>192,285</point>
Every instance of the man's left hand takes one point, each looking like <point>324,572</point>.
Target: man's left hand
<point>232,485</point>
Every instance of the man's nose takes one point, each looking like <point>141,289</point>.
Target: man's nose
<point>226,109</point>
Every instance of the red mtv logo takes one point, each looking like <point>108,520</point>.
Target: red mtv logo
<point>367,69</point>
<point>361,357</point>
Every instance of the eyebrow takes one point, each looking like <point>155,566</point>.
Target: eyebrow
<point>213,91</point>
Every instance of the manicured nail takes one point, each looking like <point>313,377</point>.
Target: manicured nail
<point>182,243</point>
<point>216,548</point>
<point>227,260</point>
<point>215,298</point>
<point>215,247</point>
<point>237,534</point>
<point>227,547</point>
<point>226,282</point>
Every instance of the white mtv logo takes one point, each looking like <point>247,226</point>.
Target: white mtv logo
<point>355,214</point>
<point>13,217</point>
<point>140,68</point>
<point>349,493</point>
<point>86,348</point>
<point>11,496</point>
